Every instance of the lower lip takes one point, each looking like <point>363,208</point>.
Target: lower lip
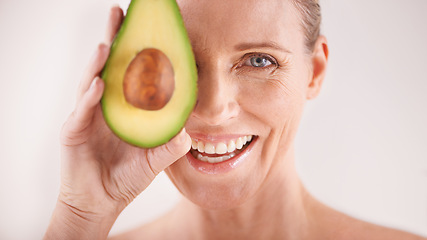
<point>221,167</point>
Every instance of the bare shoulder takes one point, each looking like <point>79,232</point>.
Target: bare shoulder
<point>357,229</point>
<point>344,227</point>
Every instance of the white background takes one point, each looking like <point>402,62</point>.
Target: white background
<point>362,145</point>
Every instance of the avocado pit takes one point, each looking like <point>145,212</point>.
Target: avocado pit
<point>149,80</point>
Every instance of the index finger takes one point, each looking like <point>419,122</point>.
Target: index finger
<point>114,23</point>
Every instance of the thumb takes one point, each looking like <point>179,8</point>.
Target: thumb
<point>161,157</point>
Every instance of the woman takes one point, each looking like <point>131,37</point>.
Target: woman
<point>258,62</point>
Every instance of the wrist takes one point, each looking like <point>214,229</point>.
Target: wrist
<point>68,222</point>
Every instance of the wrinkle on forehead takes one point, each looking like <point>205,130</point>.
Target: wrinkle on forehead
<point>221,24</point>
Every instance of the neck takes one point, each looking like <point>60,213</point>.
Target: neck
<point>276,211</point>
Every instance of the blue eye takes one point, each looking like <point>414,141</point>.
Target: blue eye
<point>258,61</point>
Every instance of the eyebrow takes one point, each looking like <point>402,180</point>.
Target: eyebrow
<point>272,45</point>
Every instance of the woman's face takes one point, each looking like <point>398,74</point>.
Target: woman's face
<point>254,74</point>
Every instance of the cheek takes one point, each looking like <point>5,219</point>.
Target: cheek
<point>275,99</point>
<point>277,104</point>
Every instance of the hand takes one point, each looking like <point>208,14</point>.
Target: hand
<point>101,174</point>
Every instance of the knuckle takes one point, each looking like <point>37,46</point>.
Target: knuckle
<point>172,149</point>
<point>71,134</point>
<point>152,157</point>
<point>67,123</point>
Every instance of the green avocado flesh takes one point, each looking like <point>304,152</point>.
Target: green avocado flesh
<point>150,24</point>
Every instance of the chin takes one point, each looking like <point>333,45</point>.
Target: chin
<point>224,185</point>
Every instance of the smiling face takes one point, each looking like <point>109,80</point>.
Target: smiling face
<point>254,78</point>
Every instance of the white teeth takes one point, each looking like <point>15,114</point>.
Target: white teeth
<point>231,147</point>
<point>214,159</point>
<point>193,144</point>
<point>218,148</point>
<point>239,143</point>
<point>200,147</point>
<point>209,148</point>
<point>221,148</point>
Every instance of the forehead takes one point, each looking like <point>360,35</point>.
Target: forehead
<point>227,22</point>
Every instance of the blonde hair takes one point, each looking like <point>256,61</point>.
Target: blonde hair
<point>311,18</point>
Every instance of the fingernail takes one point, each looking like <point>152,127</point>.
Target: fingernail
<point>102,47</point>
<point>183,135</point>
<point>92,85</point>
<point>114,6</point>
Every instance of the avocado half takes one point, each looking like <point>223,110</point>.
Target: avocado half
<point>158,25</point>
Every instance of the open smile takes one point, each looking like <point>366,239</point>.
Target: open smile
<point>219,157</point>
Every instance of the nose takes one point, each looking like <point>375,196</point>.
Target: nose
<point>217,98</point>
